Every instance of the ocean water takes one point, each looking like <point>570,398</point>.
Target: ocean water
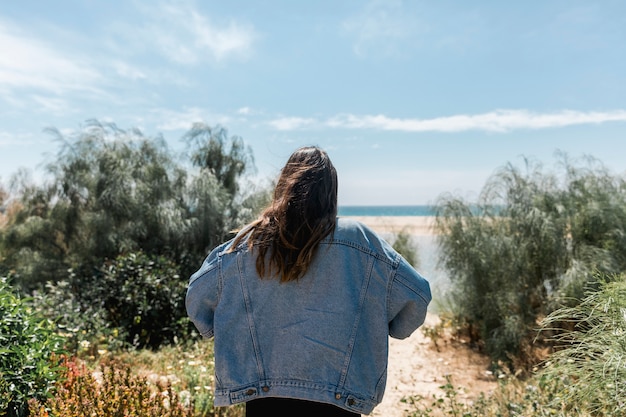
<point>386,211</point>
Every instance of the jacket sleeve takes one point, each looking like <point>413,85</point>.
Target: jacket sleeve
<point>409,297</point>
<point>203,294</point>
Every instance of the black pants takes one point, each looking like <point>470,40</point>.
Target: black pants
<point>289,407</point>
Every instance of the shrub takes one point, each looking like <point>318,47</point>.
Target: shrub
<point>143,298</point>
<point>585,377</point>
<point>113,191</point>
<point>28,345</point>
<point>83,324</point>
<point>404,245</point>
<point>529,246</point>
<point>591,364</point>
<point>114,392</point>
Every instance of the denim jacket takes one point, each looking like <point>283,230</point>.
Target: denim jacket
<point>323,337</point>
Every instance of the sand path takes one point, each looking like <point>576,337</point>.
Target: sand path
<point>417,367</point>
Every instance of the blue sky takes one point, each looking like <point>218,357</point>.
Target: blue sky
<point>410,98</point>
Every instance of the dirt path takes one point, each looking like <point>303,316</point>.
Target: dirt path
<point>417,368</point>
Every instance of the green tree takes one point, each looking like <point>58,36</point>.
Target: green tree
<point>114,191</point>
<point>224,158</point>
<point>113,195</point>
<point>531,242</point>
<point>214,202</point>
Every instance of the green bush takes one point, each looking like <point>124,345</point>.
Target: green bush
<point>28,345</point>
<point>83,323</point>
<point>591,360</point>
<point>529,246</point>
<point>114,191</point>
<point>143,298</point>
<point>404,245</point>
<point>586,376</point>
<point>135,300</point>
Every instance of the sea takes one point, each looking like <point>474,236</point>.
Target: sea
<point>386,211</point>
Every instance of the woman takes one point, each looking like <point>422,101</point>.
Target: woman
<point>301,303</point>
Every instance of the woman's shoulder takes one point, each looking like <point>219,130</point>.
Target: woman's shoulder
<point>347,224</point>
<point>355,233</point>
<point>353,229</point>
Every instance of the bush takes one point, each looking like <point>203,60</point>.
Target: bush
<point>529,246</point>
<point>28,348</point>
<point>143,298</point>
<point>403,244</point>
<point>83,324</point>
<point>113,191</point>
<point>585,377</point>
<point>115,392</point>
<point>591,361</point>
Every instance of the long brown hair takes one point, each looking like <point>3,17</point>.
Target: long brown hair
<point>303,211</point>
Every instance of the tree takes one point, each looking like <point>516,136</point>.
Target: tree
<point>213,200</point>
<point>531,242</point>
<point>113,191</point>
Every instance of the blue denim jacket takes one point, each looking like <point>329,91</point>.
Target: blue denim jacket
<point>323,337</point>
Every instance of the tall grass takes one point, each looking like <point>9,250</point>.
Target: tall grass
<point>591,362</point>
<point>585,377</point>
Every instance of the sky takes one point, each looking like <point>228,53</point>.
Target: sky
<point>411,99</point>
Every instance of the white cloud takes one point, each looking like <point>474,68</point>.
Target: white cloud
<point>26,62</point>
<point>128,71</point>
<point>382,26</point>
<point>52,105</point>
<point>182,34</point>
<point>495,121</point>
<point>184,120</point>
<point>11,140</point>
<point>291,123</point>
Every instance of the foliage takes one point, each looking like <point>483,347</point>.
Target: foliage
<point>143,297</point>
<point>114,391</point>
<point>591,361</point>
<point>135,300</point>
<point>3,206</point>
<point>190,369</point>
<point>403,244</point>
<point>512,398</point>
<point>114,191</point>
<point>28,345</point>
<point>531,243</point>
<point>82,323</point>
<point>226,159</point>
<point>585,377</point>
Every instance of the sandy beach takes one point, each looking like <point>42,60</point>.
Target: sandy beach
<point>414,225</point>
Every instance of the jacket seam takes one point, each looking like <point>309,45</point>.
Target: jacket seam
<point>361,248</point>
<point>404,283</point>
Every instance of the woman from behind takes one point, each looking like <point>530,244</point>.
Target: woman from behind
<point>301,303</point>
